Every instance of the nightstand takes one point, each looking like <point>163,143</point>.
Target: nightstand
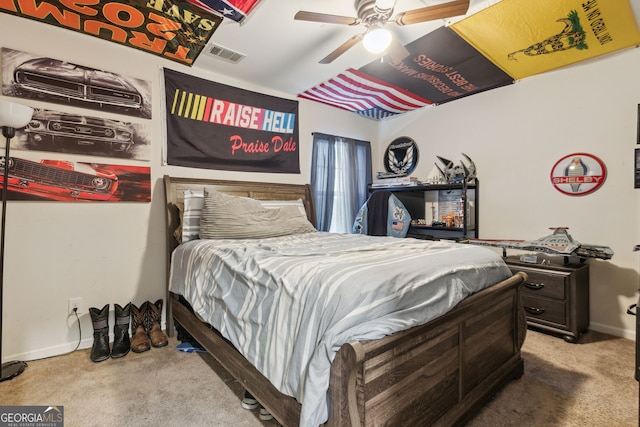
<point>555,296</point>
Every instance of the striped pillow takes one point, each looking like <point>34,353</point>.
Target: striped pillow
<point>193,203</point>
<point>274,204</point>
<point>232,217</point>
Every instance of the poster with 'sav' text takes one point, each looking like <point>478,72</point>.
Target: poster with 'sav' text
<point>175,30</point>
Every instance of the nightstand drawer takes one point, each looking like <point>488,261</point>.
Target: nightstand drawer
<point>540,283</point>
<point>555,294</point>
<point>544,309</point>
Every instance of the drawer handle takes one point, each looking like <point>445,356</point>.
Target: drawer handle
<point>533,310</point>
<point>534,286</point>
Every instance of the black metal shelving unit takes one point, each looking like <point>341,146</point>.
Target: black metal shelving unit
<point>415,200</point>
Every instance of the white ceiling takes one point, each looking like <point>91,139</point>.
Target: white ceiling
<point>282,54</point>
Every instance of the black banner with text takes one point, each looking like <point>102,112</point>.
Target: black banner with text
<point>215,126</point>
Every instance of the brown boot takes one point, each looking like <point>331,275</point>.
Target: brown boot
<point>139,338</point>
<point>152,317</point>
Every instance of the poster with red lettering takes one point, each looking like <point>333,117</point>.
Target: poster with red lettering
<point>214,126</point>
<point>175,30</point>
<point>441,67</point>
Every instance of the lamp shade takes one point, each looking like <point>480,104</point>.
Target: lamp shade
<point>14,115</point>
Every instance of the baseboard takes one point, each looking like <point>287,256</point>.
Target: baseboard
<point>57,350</point>
<point>618,332</point>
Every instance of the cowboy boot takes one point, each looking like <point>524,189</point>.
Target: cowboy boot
<point>121,341</point>
<point>152,318</point>
<point>139,339</point>
<point>100,320</point>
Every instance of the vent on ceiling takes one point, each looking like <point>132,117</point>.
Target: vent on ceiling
<point>226,54</point>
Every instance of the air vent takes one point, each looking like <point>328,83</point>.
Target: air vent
<point>226,54</point>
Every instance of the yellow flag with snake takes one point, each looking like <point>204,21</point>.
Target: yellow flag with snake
<point>525,37</point>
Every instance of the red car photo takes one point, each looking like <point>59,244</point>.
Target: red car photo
<point>59,180</point>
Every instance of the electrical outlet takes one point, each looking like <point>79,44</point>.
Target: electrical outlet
<point>75,303</point>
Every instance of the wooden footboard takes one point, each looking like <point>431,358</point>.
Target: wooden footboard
<point>439,373</point>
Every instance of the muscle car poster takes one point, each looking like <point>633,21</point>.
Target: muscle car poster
<point>526,37</point>
<point>25,75</point>
<point>69,181</point>
<point>60,132</point>
<point>176,30</point>
<point>215,126</point>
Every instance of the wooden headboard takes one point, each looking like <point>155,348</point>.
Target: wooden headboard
<point>174,193</point>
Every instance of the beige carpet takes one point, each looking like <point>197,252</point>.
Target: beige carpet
<point>586,384</point>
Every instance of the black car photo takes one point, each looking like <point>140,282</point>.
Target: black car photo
<point>55,131</point>
<point>63,82</point>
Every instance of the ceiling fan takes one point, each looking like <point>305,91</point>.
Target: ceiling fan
<point>374,14</point>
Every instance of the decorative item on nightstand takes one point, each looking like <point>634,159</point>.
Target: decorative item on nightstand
<point>558,243</point>
<point>12,116</point>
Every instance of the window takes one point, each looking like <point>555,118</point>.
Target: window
<point>340,175</point>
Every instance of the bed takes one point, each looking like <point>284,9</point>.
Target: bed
<point>436,373</point>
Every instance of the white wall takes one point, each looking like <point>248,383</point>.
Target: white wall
<point>114,253</point>
<point>107,253</point>
<point>515,135</point>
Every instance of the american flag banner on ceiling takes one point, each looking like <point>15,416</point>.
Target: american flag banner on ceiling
<point>236,10</point>
<point>366,95</point>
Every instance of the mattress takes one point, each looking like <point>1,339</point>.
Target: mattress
<point>289,303</point>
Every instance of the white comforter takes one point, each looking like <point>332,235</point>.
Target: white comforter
<point>289,303</point>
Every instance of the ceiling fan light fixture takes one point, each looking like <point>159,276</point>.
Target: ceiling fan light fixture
<point>377,40</point>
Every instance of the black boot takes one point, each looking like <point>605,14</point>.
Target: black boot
<point>100,320</point>
<point>121,341</point>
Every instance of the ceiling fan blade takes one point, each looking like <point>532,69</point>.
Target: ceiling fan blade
<point>396,51</point>
<point>342,49</point>
<point>323,17</point>
<point>430,13</point>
